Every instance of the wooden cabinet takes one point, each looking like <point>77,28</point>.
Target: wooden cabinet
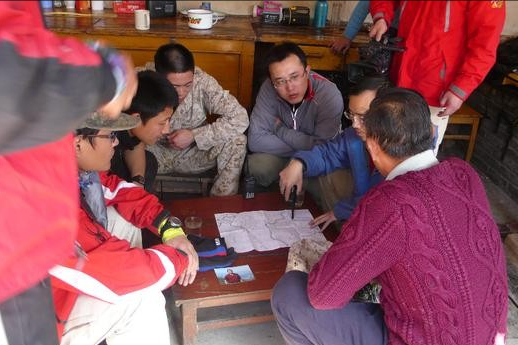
<point>230,62</point>
<point>322,58</point>
<point>141,49</point>
<point>314,42</point>
<point>227,61</point>
<point>226,51</point>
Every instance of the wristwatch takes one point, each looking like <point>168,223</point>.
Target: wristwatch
<point>171,223</point>
<point>175,222</point>
<point>139,179</point>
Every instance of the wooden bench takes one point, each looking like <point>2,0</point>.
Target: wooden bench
<point>185,183</point>
<point>466,115</point>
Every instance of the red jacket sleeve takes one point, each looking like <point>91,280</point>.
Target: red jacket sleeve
<point>370,242</point>
<point>383,9</point>
<point>485,24</point>
<point>114,269</point>
<point>48,82</point>
<point>132,202</point>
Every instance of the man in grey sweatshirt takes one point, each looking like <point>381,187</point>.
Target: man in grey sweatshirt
<point>294,110</point>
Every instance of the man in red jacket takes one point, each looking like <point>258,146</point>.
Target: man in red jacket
<point>112,289</point>
<point>47,85</point>
<point>450,47</point>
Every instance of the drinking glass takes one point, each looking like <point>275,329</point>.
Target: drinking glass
<point>193,223</point>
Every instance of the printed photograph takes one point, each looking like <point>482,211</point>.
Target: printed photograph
<point>234,275</point>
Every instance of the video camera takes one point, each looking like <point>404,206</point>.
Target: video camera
<point>375,58</point>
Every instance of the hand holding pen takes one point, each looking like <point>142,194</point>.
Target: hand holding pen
<point>293,200</point>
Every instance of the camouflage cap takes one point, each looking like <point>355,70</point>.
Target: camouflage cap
<point>123,122</point>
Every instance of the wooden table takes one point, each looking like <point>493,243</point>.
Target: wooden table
<point>206,291</point>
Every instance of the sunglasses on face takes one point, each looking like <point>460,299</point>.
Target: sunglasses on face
<point>112,136</point>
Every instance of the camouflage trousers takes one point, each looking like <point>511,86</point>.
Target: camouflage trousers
<point>227,157</point>
<point>304,254</point>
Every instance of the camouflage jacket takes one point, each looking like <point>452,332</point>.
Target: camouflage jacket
<point>208,97</point>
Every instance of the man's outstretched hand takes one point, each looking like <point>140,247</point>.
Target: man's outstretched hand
<point>325,219</point>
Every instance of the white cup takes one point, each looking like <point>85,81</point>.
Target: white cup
<point>70,5</point>
<point>201,19</point>
<point>142,19</point>
<point>97,5</point>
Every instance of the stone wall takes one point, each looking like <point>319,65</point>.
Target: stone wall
<point>491,139</point>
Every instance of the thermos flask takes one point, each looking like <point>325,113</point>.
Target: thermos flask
<point>319,20</point>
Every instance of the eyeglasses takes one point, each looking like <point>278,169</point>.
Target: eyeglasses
<point>292,79</point>
<point>351,115</point>
<point>112,136</point>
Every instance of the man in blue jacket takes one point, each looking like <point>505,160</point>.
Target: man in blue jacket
<point>345,151</point>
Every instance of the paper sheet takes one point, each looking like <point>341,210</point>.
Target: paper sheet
<point>265,230</point>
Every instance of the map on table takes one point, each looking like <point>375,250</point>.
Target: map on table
<point>265,230</point>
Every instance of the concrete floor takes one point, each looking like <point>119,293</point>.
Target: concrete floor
<point>259,334</point>
<point>504,210</point>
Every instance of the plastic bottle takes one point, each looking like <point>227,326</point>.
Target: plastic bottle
<point>319,20</point>
<point>46,5</point>
<point>82,5</point>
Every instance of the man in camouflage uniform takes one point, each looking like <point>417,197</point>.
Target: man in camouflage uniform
<point>194,146</point>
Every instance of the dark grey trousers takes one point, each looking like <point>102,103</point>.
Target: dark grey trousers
<point>300,323</point>
<point>29,318</point>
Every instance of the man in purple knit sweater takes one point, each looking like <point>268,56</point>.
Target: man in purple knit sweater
<point>426,234</point>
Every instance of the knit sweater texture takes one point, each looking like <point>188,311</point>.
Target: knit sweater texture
<point>430,239</point>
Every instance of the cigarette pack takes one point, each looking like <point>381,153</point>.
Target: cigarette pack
<point>128,6</point>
